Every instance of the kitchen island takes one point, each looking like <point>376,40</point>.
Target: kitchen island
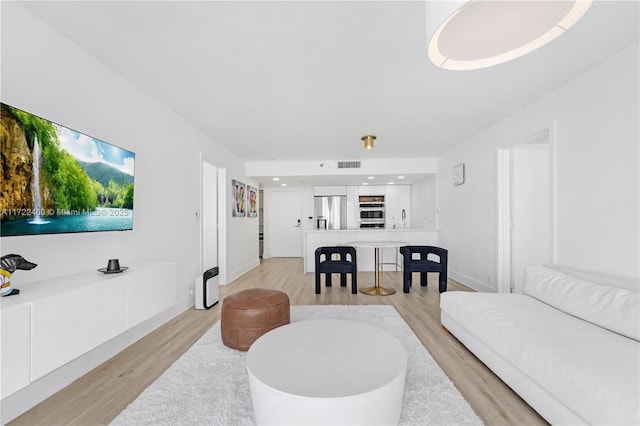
<point>314,238</point>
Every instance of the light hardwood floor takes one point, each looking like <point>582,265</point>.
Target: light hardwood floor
<point>98,397</point>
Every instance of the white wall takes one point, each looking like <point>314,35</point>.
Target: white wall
<point>47,75</point>
<point>424,203</point>
<point>596,176</point>
<point>242,233</point>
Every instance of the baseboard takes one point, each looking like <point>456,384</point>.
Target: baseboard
<point>234,275</point>
<point>23,400</point>
<point>470,282</point>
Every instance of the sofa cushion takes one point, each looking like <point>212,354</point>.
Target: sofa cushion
<point>595,373</point>
<point>613,308</point>
<point>609,280</point>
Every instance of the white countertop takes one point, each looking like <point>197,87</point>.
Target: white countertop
<point>377,244</point>
<point>371,229</point>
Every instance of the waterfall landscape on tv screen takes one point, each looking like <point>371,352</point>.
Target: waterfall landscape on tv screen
<point>58,180</point>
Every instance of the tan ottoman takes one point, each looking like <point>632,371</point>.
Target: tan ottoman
<point>248,314</point>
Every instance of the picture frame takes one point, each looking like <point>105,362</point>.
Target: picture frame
<point>252,201</point>
<point>458,174</point>
<point>238,194</point>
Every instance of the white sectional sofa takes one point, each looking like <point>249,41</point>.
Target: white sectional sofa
<point>569,345</point>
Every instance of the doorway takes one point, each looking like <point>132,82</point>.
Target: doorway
<point>213,247</point>
<point>260,223</point>
<point>209,216</point>
<point>285,224</point>
<point>525,209</point>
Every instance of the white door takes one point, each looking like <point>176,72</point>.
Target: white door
<point>209,216</point>
<point>209,242</point>
<point>286,232</point>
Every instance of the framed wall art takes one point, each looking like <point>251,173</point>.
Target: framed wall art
<point>238,190</point>
<point>253,201</point>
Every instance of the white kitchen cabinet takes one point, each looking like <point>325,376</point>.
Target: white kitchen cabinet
<point>371,190</point>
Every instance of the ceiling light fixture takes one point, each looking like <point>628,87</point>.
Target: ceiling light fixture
<point>467,35</point>
<point>368,141</point>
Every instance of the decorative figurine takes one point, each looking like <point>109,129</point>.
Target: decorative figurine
<point>8,264</point>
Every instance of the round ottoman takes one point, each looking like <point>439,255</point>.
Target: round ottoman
<point>248,314</point>
<point>327,372</point>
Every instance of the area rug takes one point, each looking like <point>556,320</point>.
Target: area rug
<point>208,385</point>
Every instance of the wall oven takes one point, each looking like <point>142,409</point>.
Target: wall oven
<point>371,211</point>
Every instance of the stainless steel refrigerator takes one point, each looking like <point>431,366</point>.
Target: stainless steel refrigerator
<point>330,212</point>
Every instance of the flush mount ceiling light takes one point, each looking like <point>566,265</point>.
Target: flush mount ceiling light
<point>368,141</point>
<point>477,34</point>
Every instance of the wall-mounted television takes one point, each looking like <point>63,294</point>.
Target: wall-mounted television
<point>58,180</point>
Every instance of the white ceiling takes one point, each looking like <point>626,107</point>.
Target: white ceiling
<point>302,80</point>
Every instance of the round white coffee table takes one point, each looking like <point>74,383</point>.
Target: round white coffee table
<point>327,371</point>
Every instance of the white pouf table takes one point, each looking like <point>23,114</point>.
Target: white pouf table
<point>327,371</point>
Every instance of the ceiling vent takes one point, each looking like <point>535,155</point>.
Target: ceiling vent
<point>348,164</point>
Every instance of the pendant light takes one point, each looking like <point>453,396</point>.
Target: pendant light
<point>467,35</point>
<point>368,141</point>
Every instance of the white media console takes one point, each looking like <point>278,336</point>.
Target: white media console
<point>55,331</point>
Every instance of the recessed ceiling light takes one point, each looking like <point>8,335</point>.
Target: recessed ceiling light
<point>371,177</point>
<point>365,183</point>
<point>283,184</point>
<point>467,35</point>
<point>390,183</point>
<point>400,177</point>
<point>276,178</point>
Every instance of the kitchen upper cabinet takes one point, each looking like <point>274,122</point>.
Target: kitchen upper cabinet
<point>372,190</point>
<point>397,199</point>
